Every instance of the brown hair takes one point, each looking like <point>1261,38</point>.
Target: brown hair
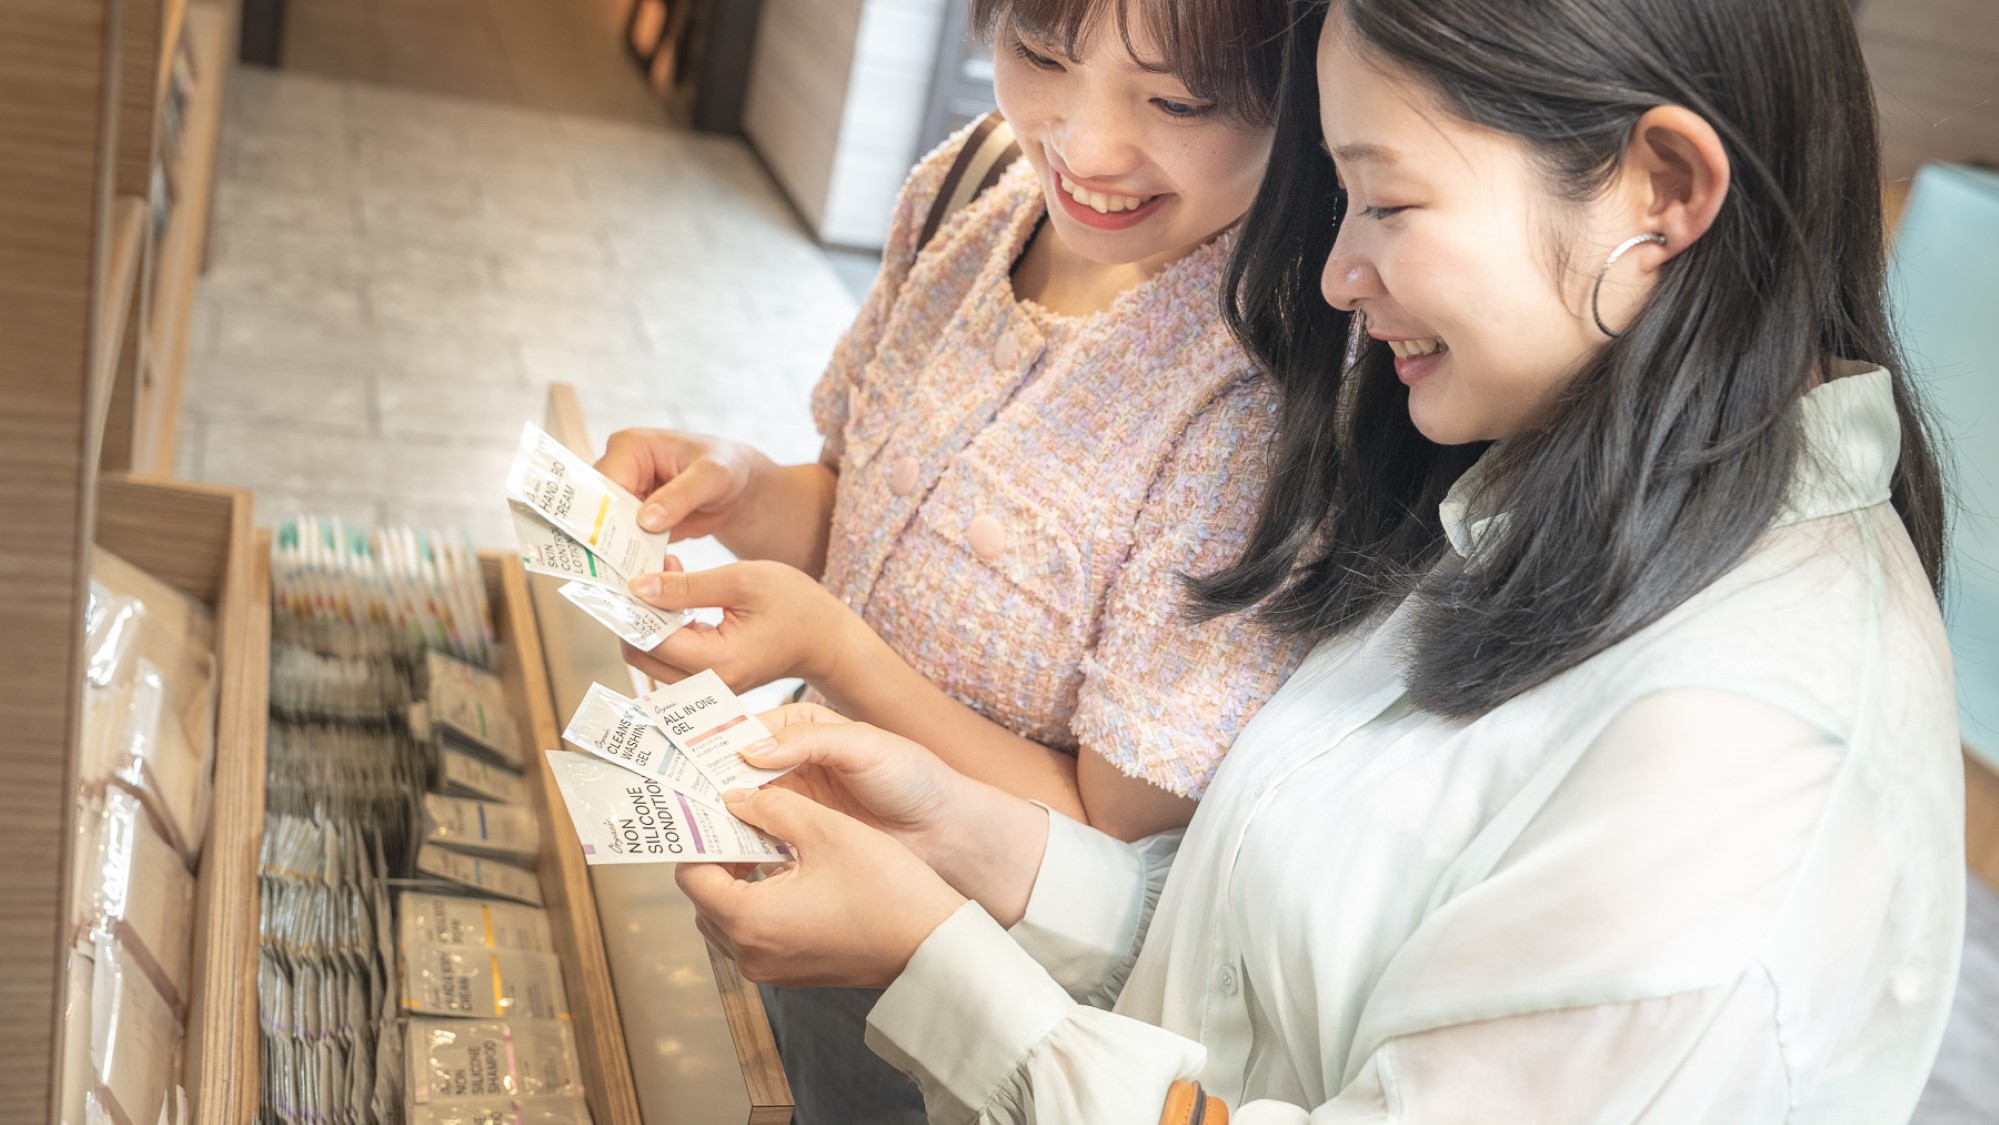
<point>1229,52</point>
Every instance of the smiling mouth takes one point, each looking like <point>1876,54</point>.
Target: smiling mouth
<point>1102,203</point>
<point>1410,349</point>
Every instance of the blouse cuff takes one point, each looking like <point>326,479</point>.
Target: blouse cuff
<point>965,1012</point>
<point>1091,906</point>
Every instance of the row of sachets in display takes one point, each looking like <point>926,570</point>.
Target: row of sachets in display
<point>148,751</point>
<point>488,1034</point>
<point>394,743</point>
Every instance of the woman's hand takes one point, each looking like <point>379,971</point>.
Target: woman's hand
<point>777,621</point>
<point>851,912</point>
<point>984,843</point>
<point>881,779</point>
<point>692,484</point>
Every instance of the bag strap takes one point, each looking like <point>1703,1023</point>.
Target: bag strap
<point>989,151</point>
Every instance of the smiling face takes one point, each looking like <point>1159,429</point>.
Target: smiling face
<point>1137,170</point>
<point>1448,247</point>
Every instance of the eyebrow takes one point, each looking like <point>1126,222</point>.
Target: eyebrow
<point>1362,153</point>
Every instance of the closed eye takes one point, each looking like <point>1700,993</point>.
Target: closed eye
<point>1382,212</point>
<point>1033,57</point>
<point>1174,107</point>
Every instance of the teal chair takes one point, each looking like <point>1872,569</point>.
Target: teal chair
<point>1944,286</point>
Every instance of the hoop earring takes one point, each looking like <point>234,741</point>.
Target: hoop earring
<point>1356,333</point>
<point>1596,293</point>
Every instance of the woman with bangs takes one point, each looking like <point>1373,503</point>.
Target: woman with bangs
<point>1623,786</point>
<point>1037,423</point>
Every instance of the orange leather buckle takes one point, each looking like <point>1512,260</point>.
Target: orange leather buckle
<point>1188,1104</point>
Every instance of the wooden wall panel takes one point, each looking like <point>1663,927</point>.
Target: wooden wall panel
<point>56,86</point>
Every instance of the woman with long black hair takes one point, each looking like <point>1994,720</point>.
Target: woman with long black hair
<point>1623,785</point>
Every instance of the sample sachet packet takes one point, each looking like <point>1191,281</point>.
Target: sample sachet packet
<point>595,586</point>
<point>454,980</point>
<point>626,817</point>
<point>706,721</point>
<point>583,504</point>
<point>477,922</point>
<point>618,729</point>
<point>480,826</point>
<point>488,875</point>
<point>471,703</point>
<point>507,1059</point>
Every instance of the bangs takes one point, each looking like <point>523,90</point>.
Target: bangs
<point>1229,52</point>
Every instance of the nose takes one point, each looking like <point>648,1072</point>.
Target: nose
<point>1349,278</point>
<point>1096,139</point>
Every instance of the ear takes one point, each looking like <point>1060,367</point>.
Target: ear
<point>1676,175</point>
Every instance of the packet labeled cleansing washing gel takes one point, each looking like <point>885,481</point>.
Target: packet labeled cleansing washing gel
<point>583,504</point>
<point>707,722</point>
<point>619,730</point>
<point>623,817</point>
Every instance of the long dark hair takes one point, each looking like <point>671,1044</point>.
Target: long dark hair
<point>1671,450</point>
<point>1227,51</point>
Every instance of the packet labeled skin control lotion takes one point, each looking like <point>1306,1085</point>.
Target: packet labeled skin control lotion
<point>583,504</point>
<point>594,587</point>
<point>624,817</point>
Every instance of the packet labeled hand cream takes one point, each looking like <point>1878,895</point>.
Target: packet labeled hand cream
<point>583,504</point>
<point>452,980</point>
<point>619,730</point>
<point>623,817</point>
<point>706,721</point>
<point>477,922</point>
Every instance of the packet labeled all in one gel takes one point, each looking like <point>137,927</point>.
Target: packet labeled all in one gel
<point>709,724</point>
<point>624,817</point>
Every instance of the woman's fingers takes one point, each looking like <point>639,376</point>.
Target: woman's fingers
<point>722,586</point>
<point>638,460</point>
<point>842,746</point>
<point>792,817</point>
<point>704,484</point>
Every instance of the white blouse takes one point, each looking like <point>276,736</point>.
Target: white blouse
<point>1713,874</point>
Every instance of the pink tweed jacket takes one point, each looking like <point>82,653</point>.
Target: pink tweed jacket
<point>1019,491</point>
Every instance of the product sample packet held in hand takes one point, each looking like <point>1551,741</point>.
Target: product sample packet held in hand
<point>583,504</point>
<point>624,817</point>
<point>617,729</point>
<point>706,721</point>
<point>594,587</point>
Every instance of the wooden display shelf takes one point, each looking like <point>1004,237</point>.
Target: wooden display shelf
<point>578,652</point>
<point>173,15</point>
<point>565,880</point>
<point>178,256</point>
<point>199,539</point>
<point>115,342</point>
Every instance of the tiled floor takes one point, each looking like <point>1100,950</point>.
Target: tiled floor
<point>398,274</point>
